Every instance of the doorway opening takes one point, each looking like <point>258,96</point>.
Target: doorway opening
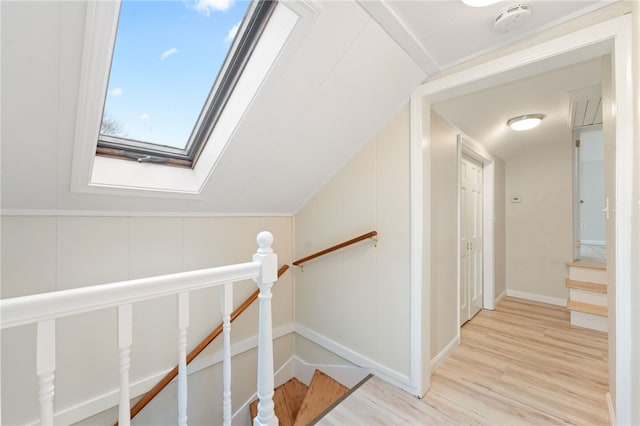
<point>609,37</point>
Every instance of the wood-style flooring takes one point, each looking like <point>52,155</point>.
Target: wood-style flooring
<point>522,364</point>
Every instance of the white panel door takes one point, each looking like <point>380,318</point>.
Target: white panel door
<point>464,242</point>
<point>471,239</point>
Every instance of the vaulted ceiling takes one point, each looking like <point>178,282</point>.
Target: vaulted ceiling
<point>345,76</point>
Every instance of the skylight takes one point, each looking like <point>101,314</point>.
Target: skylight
<point>174,65</point>
<point>266,39</point>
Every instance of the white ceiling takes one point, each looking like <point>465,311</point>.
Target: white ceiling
<point>424,26</point>
<point>353,69</point>
<point>483,115</point>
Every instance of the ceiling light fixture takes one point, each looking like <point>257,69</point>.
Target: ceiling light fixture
<point>479,3</point>
<point>525,122</point>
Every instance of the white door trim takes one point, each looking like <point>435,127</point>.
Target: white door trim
<point>615,36</point>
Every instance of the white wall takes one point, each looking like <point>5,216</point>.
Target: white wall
<point>444,231</point>
<point>359,297</point>
<point>539,228</point>
<point>47,253</point>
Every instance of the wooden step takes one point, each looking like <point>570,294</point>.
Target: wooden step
<point>588,308</point>
<point>322,392</point>
<point>294,391</point>
<point>287,400</point>
<point>583,285</point>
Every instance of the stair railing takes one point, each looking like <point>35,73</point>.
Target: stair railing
<point>196,351</point>
<point>44,309</point>
<point>369,235</point>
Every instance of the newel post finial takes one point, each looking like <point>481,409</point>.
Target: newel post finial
<point>265,240</point>
<point>268,275</point>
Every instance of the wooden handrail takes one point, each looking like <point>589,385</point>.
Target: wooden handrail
<point>362,237</point>
<point>194,353</point>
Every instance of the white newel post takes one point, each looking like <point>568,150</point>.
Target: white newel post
<point>227,307</point>
<point>125,338</point>
<point>268,275</point>
<point>45,368</point>
<point>183,324</point>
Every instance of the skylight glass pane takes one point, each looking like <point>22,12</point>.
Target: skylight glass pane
<point>166,59</point>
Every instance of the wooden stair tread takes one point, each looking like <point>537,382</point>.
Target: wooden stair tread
<point>587,308</point>
<point>287,400</point>
<point>322,392</point>
<point>580,264</point>
<point>294,391</point>
<point>584,285</point>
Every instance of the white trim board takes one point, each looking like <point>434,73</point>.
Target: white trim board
<point>385,373</point>
<point>444,354</point>
<point>609,37</point>
<point>420,240</point>
<point>131,213</point>
<point>610,409</point>
<point>537,297</point>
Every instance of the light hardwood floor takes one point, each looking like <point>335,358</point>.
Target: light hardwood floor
<point>522,364</point>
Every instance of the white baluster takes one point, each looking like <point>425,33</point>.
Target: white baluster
<point>227,307</point>
<point>125,332</point>
<point>183,324</point>
<point>45,368</point>
<point>269,274</point>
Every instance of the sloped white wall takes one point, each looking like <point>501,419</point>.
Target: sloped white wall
<point>359,297</point>
<point>47,253</point>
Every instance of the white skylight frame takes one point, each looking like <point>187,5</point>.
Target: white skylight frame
<point>99,174</point>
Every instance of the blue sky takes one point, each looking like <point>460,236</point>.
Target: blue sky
<point>167,56</point>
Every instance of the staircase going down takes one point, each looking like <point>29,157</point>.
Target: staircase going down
<point>587,284</point>
<point>299,405</point>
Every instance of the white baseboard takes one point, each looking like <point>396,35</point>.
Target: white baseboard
<point>537,297</point>
<point>439,359</point>
<point>393,377</point>
<point>612,410</point>
<point>348,375</point>
<point>110,399</point>
<point>499,298</point>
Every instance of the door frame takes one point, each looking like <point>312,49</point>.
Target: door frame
<point>614,37</point>
<point>469,147</point>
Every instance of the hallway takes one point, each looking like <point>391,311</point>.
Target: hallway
<point>520,364</point>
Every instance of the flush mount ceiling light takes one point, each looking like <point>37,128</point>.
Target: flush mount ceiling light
<point>479,3</point>
<point>525,122</point>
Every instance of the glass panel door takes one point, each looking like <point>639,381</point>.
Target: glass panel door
<point>589,198</point>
